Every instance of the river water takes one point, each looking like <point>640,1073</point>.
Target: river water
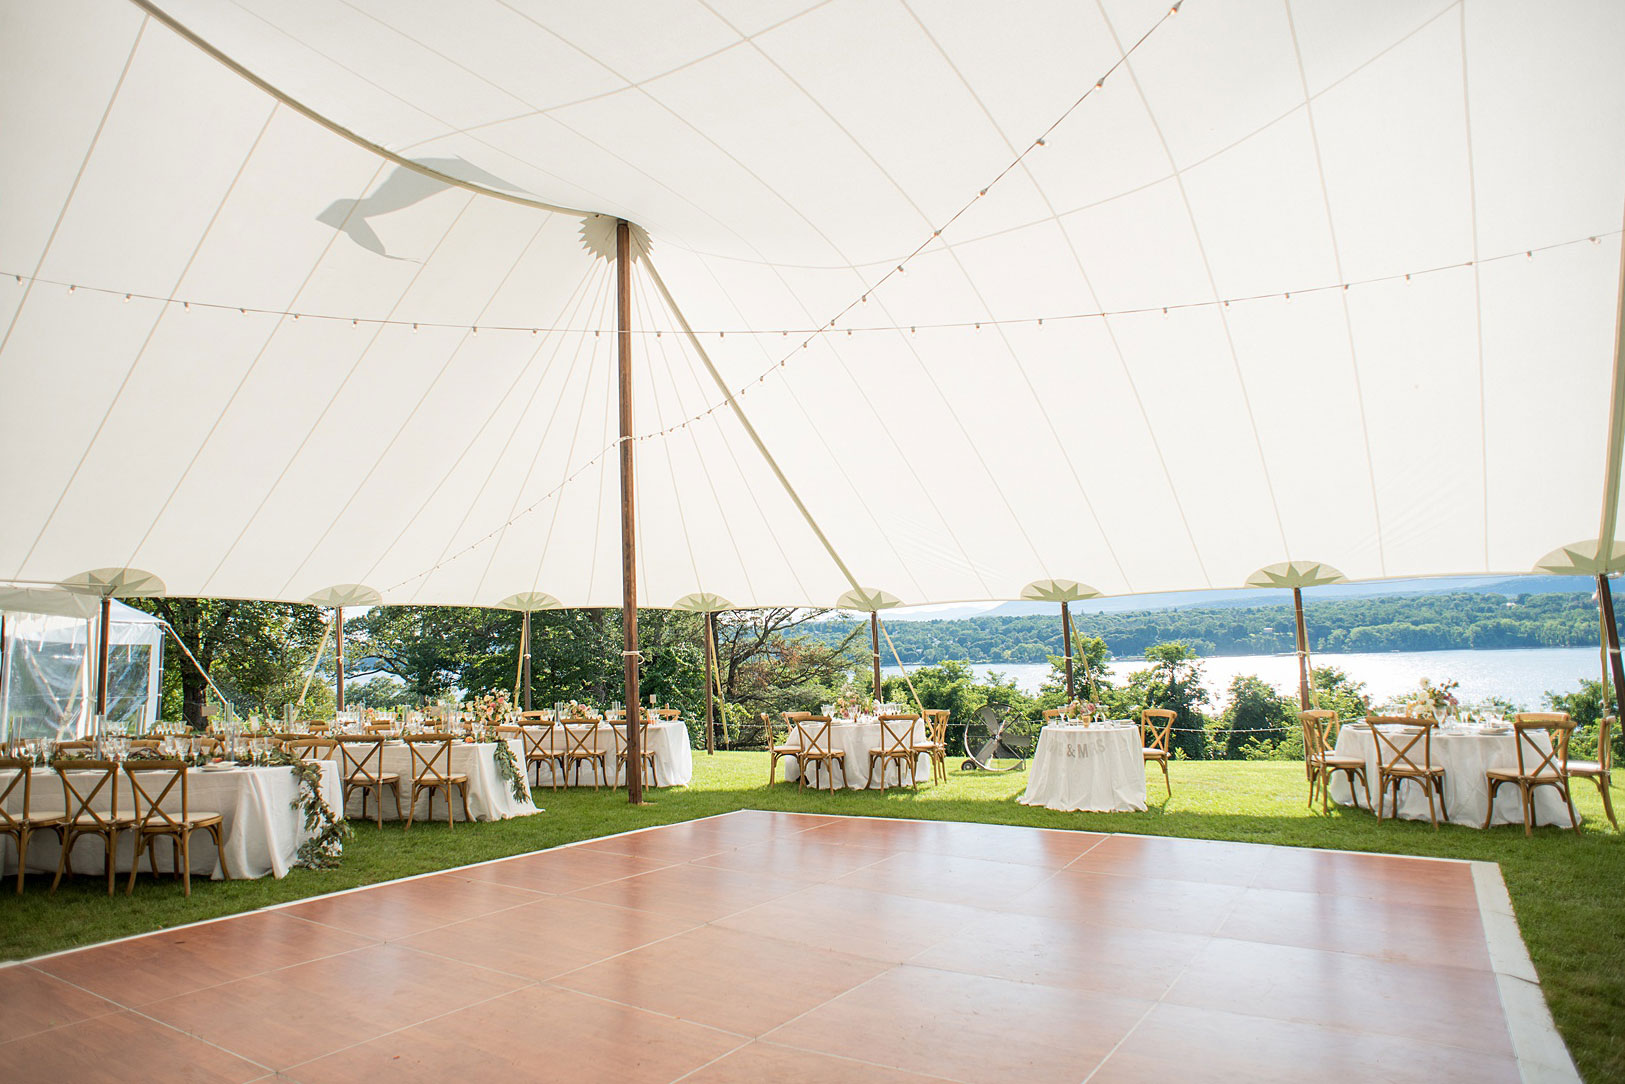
<point>1521,675</point>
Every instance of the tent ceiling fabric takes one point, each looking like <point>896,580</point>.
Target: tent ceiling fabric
<point>1296,574</point>
<point>323,410</point>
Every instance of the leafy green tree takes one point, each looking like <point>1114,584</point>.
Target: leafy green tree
<point>1256,716</point>
<point>1173,681</point>
<point>1586,706</point>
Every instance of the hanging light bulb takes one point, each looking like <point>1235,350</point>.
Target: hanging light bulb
<point>126,299</point>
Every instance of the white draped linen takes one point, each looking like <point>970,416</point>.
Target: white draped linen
<point>1465,757</point>
<point>261,827</point>
<point>674,758</point>
<point>490,797</point>
<point>1098,768</point>
<point>857,737</point>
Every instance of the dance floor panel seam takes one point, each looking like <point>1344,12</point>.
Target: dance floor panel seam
<point>758,945</point>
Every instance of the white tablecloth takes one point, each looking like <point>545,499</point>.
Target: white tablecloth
<point>490,796</point>
<point>857,738</point>
<point>1098,768</point>
<point>1465,757</point>
<point>261,827</point>
<point>674,759</point>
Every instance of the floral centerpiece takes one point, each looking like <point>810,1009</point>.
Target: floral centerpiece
<point>1079,709</point>
<point>1428,697</point>
<point>577,712</point>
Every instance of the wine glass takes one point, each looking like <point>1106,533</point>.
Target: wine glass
<point>1441,712</point>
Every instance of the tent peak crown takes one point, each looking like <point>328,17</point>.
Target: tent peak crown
<point>598,238</point>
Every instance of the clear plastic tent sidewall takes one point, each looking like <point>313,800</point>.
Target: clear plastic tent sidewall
<point>50,674</point>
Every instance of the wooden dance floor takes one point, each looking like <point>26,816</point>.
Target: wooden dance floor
<point>788,948</point>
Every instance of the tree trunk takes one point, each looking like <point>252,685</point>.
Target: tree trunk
<point>193,691</point>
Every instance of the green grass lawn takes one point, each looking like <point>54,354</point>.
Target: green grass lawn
<point>1567,890</point>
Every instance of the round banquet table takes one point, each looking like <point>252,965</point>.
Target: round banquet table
<point>262,830</point>
<point>674,759</point>
<point>1465,755</point>
<point>490,797</point>
<point>1099,768</point>
<point>856,737</point>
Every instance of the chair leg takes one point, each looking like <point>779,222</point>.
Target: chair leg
<point>135,863</point>
<point>1165,780</point>
<point>1489,808</point>
<point>869,780</point>
<point>462,790</point>
<point>22,855</point>
<point>1574,817</point>
<point>111,839</point>
<point>1607,799</point>
<point>1524,798</point>
<point>216,831</point>
<point>411,810</point>
<point>1433,817</point>
<point>62,859</point>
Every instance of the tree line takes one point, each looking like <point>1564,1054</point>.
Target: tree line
<point>1395,623</point>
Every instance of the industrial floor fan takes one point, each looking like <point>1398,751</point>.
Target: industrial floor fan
<point>998,751</point>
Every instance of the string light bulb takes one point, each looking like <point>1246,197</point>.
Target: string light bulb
<point>126,299</point>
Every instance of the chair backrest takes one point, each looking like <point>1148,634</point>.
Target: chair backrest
<point>619,730</point>
<point>431,755</point>
<point>1400,739</point>
<point>318,727</point>
<point>72,748</point>
<point>1532,759</point>
<point>301,747</point>
<point>22,781</point>
<point>534,717</point>
<point>360,756</point>
<point>814,732</point>
<point>791,718</point>
<point>1605,744</point>
<point>151,782</point>
<point>79,794</point>
<point>145,743</point>
<point>581,740</point>
<point>381,726</point>
<point>543,739</point>
<point>937,719</point>
<point>1156,728</point>
<point>1052,713</point>
<point>897,732</point>
<point>1317,732</point>
<point>668,714</point>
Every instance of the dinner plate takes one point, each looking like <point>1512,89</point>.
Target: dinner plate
<point>220,767</point>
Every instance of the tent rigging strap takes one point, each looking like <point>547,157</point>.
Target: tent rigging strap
<point>193,658</point>
<point>321,648</point>
<point>920,707</point>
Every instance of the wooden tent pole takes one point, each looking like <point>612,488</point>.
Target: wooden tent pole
<point>629,568</point>
<point>874,648</point>
<point>1066,648</point>
<point>1610,631</point>
<point>1303,650</point>
<point>101,657</point>
<point>710,669</point>
<point>338,653</point>
<point>524,649</point>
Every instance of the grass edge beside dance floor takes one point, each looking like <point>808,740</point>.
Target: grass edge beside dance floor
<point>1565,889</point>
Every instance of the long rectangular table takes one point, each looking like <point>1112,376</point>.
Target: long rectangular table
<point>1465,756</point>
<point>490,796</point>
<point>668,739</point>
<point>262,829</point>
<point>856,737</point>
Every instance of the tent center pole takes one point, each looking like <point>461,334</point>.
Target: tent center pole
<point>629,567</point>
<point>1066,649</point>
<point>874,648</point>
<point>1303,650</point>
<point>101,657</point>
<point>710,670</point>
<point>1610,633</point>
<point>524,647</point>
<point>338,653</point>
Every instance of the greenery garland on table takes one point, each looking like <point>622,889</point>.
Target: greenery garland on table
<point>328,830</point>
<point>508,768</point>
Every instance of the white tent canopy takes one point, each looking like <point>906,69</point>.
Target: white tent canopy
<point>1261,296</point>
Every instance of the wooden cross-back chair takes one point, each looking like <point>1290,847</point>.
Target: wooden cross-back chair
<point>82,818</point>
<point>1321,763</point>
<point>668,715</point>
<point>935,744</point>
<point>1397,752</point>
<point>817,748</point>
<point>1537,767</point>
<point>896,745</point>
<point>22,823</point>
<point>646,756</point>
<point>361,763</point>
<point>1601,770</point>
<point>431,771</point>
<point>581,746</point>
<point>542,746</point>
<point>151,783</point>
<point>1156,735</point>
<point>792,740</point>
<point>303,747</point>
